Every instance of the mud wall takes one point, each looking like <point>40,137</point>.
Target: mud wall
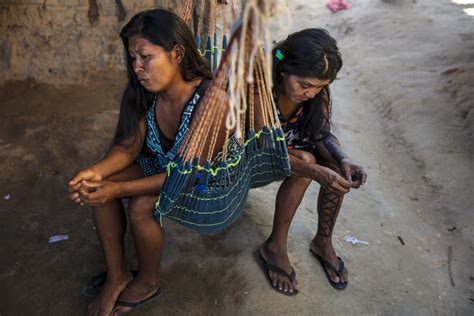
<point>63,41</point>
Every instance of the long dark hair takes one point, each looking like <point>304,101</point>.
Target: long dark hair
<point>166,29</point>
<point>309,53</point>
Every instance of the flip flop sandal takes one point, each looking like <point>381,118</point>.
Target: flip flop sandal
<point>325,264</point>
<point>135,306</point>
<point>267,267</point>
<point>95,284</point>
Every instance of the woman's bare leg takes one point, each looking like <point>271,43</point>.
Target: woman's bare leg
<point>329,205</point>
<point>274,249</point>
<point>110,223</point>
<point>148,237</point>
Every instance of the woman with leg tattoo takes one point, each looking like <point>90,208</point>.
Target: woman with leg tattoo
<point>304,66</point>
<point>167,78</point>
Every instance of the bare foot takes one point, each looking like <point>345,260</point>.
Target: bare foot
<point>104,303</point>
<point>138,290</point>
<point>323,247</point>
<point>278,256</point>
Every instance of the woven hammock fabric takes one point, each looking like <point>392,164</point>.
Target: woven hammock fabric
<point>210,198</point>
<point>207,16</point>
<point>207,192</point>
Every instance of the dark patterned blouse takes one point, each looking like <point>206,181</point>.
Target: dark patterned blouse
<point>290,127</point>
<point>156,155</point>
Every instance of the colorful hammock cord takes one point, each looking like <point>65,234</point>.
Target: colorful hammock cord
<point>205,192</point>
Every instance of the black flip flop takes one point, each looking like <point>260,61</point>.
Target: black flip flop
<point>95,284</point>
<point>135,306</point>
<point>267,267</point>
<point>338,272</point>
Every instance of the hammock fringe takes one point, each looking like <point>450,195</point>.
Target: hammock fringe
<point>209,196</point>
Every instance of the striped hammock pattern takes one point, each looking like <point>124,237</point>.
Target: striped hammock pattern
<point>211,197</point>
<point>210,21</point>
<point>207,192</point>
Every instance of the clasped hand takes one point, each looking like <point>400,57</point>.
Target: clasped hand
<point>353,176</point>
<point>87,187</point>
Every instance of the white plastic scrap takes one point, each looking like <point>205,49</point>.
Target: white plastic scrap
<point>354,241</point>
<point>7,197</point>
<point>57,238</point>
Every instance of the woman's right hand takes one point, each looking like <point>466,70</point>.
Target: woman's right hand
<point>332,181</point>
<point>75,183</point>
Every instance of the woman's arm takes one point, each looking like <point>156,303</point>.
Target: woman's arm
<point>122,155</point>
<point>117,159</point>
<point>330,149</point>
<point>101,192</point>
<point>323,175</point>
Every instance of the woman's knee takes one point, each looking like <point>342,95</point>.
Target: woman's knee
<point>141,207</point>
<point>132,172</point>
<point>305,182</point>
<point>306,157</point>
<point>110,207</point>
<point>298,181</point>
<point>303,155</point>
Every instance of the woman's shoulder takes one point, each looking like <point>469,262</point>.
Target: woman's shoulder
<point>203,85</point>
<point>206,86</point>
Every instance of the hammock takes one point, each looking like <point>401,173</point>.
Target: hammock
<point>205,26</point>
<point>206,192</point>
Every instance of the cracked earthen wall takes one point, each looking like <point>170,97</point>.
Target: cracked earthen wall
<point>65,41</point>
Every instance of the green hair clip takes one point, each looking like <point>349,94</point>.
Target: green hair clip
<point>279,54</point>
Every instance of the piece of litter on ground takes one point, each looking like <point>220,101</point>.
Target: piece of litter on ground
<point>338,5</point>
<point>401,240</point>
<point>354,241</point>
<point>450,266</point>
<point>7,197</point>
<point>57,238</point>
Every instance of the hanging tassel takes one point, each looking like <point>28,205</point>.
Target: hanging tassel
<point>207,52</point>
<point>224,43</point>
<point>198,44</point>
<point>215,51</point>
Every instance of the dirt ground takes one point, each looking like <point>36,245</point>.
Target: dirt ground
<point>402,108</point>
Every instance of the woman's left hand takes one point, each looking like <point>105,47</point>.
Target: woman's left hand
<point>99,193</point>
<point>355,174</point>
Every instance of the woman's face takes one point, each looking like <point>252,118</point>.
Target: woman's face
<point>156,69</point>
<point>300,89</point>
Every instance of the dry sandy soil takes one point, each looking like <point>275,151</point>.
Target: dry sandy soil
<point>402,108</point>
